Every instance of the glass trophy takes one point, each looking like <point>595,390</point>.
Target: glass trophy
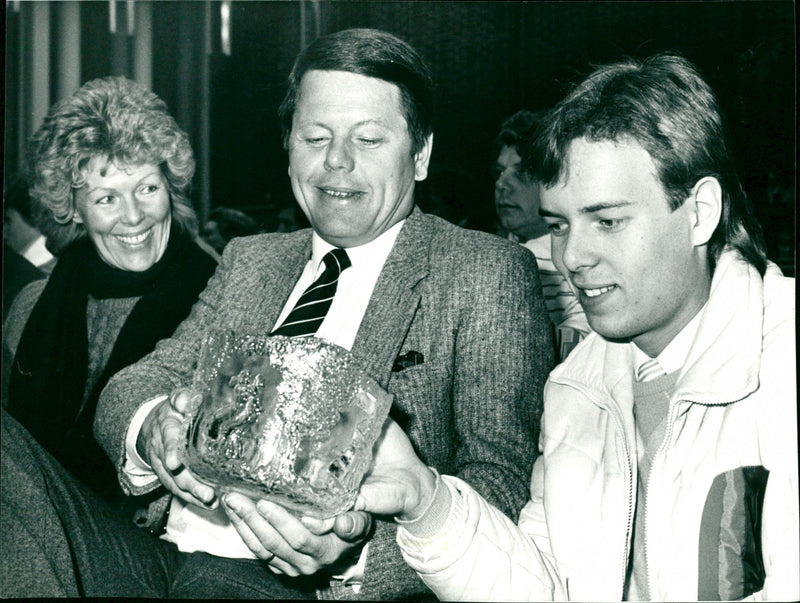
<point>289,419</point>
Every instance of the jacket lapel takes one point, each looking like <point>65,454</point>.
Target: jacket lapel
<point>277,278</point>
<point>394,300</point>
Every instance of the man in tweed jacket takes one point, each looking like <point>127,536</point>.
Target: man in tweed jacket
<point>454,327</point>
<point>467,303</point>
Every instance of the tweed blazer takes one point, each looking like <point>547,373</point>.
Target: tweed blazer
<point>470,303</point>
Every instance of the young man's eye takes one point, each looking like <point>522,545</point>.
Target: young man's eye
<point>611,224</point>
<point>557,229</point>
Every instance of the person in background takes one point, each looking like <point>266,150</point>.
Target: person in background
<point>225,223</point>
<point>109,177</point>
<point>669,467</point>
<point>451,322</point>
<point>20,232</point>
<point>516,200</point>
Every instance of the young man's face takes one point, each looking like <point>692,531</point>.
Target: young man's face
<point>516,198</point>
<point>350,160</point>
<point>629,258</point>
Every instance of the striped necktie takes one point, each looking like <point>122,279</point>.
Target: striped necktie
<point>309,312</point>
<point>649,370</point>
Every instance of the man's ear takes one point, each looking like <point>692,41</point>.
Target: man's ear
<point>706,198</point>
<point>422,159</point>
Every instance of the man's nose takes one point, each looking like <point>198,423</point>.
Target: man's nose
<point>339,156</point>
<point>576,250</point>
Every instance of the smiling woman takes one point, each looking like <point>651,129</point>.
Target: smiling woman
<point>109,174</point>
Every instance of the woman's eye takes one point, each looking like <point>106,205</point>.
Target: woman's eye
<point>104,200</point>
<point>148,189</point>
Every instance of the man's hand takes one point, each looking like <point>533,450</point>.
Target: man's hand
<point>159,444</point>
<point>399,484</point>
<point>293,546</point>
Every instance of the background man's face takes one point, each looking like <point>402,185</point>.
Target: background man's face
<point>516,199</point>
<point>350,160</point>
<point>629,258</point>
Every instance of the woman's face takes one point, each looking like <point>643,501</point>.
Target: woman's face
<point>126,212</point>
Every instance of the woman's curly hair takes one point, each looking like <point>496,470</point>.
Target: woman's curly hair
<point>111,118</point>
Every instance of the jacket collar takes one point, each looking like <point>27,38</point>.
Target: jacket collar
<point>724,359</point>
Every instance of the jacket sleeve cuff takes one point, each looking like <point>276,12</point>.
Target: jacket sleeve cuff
<point>434,516</point>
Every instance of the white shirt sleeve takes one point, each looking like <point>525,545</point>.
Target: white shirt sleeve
<point>135,467</point>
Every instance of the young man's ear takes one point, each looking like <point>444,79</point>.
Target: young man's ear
<point>706,198</point>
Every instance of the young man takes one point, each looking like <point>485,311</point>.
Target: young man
<point>670,482</point>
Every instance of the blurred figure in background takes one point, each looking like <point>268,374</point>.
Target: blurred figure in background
<point>20,237</point>
<point>516,200</point>
<point>110,172</point>
<point>19,227</point>
<point>225,223</point>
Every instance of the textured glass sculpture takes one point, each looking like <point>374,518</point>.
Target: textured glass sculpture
<point>292,420</point>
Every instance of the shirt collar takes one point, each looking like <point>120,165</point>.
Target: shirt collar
<point>37,253</point>
<point>373,253</point>
<point>673,357</point>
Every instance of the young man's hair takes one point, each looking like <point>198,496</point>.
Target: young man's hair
<point>517,129</point>
<point>664,104</point>
<point>372,53</point>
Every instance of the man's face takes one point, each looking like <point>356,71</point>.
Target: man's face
<point>629,258</point>
<point>350,160</point>
<point>516,198</point>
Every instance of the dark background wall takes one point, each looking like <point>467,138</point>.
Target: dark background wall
<point>489,59</point>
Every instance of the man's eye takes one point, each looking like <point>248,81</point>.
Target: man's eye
<point>316,141</point>
<point>611,224</point>
<point>557,229</point>
<point>370,142</point>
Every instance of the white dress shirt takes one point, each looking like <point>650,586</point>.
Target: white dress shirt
<point>673,357</point>
<point>192,528</point>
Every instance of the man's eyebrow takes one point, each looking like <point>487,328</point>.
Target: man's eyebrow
<point>589,209</point>
<point>378,121</point>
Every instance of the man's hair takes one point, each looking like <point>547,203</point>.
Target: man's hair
<point>112,119</point>
<point>517,130</point>
<point>372,53</point>
<point>665,105</point>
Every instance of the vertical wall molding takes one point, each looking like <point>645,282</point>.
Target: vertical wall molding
<point>143,44</point>
<point>37,67</point>
<point>68,20</point>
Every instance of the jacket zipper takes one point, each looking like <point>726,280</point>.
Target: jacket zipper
<point>629,524</point>
<point>656,458</point>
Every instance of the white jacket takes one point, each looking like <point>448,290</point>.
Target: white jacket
<point>734,406</point>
